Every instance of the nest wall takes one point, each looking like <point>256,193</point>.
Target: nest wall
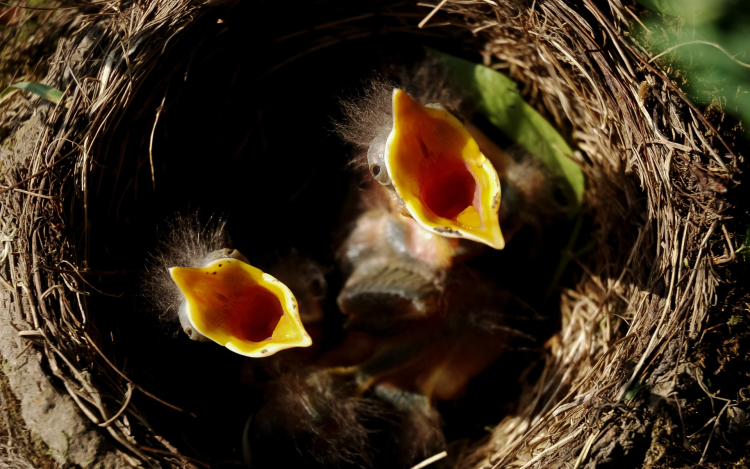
<point>649,273</point>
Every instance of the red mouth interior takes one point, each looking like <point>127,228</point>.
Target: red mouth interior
<point>254,314</point>
<point>446,187</point>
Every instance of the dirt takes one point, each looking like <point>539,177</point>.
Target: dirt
<point>44,422</point>
<point>18,448</point>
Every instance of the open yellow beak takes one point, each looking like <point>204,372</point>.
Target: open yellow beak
<point>436,168</point>
<point>238,306</point>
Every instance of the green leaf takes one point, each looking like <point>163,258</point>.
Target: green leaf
<point>45,91</point>
<point>504,107</point>
<point>734,320</point>
<point>632,391</point>
<point>744,249</point>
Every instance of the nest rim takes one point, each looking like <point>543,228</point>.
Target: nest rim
<point>653,291</point>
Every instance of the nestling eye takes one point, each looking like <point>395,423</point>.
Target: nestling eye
<point>375,158</point>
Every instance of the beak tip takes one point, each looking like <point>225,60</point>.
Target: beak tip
<point>499,245</point>
<point>495,240</point>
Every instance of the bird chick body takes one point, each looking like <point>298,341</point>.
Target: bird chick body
<point>419,326</point>
<point>435,354</point>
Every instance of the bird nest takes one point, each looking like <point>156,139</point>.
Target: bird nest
<point>171,98</point>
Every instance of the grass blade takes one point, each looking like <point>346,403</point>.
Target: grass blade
<point>44,91</point>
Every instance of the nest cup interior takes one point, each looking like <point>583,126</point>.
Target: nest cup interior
<point>247,132</point>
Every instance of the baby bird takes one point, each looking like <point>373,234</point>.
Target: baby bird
<point>218,296</point>
<point>417,325</point>
<point>420,325</point>
<point>370,402</point>
<point>311,418</point>
<point>396,269</point>
<point>419,142</point>
<point>316,418</point>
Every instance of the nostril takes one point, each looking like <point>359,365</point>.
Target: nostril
<point>228,252</point>
<point>375,170</point>
<point>189,332</point>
